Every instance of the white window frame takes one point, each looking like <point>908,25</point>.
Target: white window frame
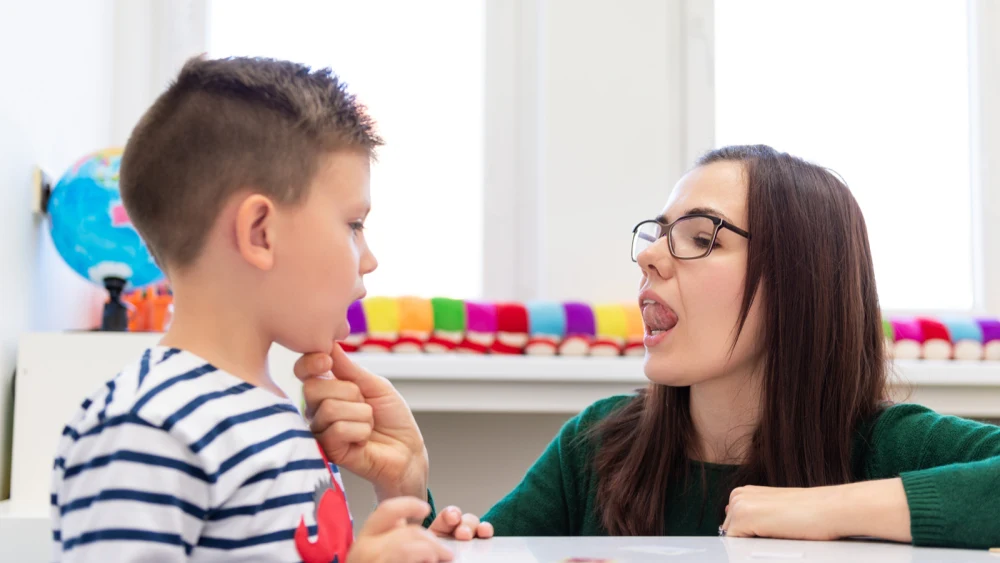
<point>984,116</point>
<point>984,59</point>
<point>514,124</point>
<point>511,204</point>
<point>511,152</point>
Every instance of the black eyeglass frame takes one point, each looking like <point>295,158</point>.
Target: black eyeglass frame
<point>667,228</point>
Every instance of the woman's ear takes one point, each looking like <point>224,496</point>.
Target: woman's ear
<point>256,231</point>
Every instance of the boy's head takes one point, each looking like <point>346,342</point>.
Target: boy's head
<point>252,174</point>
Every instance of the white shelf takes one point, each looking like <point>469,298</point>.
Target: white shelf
<point>947,373</point>
<point>620,369</point>
<point>562,369</point>
<point>56,370</point>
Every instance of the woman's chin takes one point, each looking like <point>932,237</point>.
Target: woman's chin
<point>665,371</point>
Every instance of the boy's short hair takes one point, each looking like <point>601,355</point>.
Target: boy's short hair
<point>227,124</point>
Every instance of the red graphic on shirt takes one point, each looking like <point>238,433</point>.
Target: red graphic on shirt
<point>334,532</point>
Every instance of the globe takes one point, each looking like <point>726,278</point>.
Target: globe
<point>92,231</point>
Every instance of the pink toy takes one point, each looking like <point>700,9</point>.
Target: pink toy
<point>481,328</point>
<point>909,339</point>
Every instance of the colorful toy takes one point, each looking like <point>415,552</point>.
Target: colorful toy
<point>966,338</point>
<point>382,314</point>
<point>138,313</point>
<point>991,338</point>
<point>150,309</point>
<point>449,325</point>
<point>580,329</point>
<point>890,337</point>
<point>909,339</point>
<point>547,325</point>
<point>92,232</point>
<point>611,330</point>
<point>416,322</point>
<point>937,341</point>
<point>635,331</point>
<point>480,328</point>
<point>512,329</point>
<point>545,328</point>
<point>359,328</point>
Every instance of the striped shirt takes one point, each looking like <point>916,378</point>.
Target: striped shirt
<point>175,460</point>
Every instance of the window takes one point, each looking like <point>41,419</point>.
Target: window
<point>878,92</point>
<point>419,67</point>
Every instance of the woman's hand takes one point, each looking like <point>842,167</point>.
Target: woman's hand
<point>363,424</point>
<point>874,509</point>
<point>451,523</point>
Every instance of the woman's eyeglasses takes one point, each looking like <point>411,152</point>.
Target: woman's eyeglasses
<point>689,237</point>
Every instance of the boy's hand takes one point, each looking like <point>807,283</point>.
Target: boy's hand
<point>387,538</point>
<point>451,523</point>
<point>363,424</point>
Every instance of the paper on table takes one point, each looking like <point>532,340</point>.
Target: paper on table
<point>661,549</point>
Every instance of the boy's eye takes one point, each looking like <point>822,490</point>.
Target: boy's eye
<point>357,226</point>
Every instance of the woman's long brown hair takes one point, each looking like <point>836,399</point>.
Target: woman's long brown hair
<point>824,370</point>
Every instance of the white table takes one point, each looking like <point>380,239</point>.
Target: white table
<point>703,550</point>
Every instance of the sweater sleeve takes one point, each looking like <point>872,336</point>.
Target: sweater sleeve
<point>950,468</point>
<point>551,499</point>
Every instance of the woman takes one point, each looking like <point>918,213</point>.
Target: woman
<point>767,411</point>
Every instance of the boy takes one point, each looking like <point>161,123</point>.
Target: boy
<point>248,179</point>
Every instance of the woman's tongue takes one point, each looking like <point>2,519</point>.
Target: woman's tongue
<point>656,317</point>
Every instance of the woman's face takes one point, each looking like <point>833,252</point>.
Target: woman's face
<point>691,308</point>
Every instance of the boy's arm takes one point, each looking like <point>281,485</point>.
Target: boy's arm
<point>130,493</point>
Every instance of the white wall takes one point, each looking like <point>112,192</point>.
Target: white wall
<point>54,108</point>
<point>585,136</point>
<point>81,75</point>
<point>611,138</point>
<point>598,115</point>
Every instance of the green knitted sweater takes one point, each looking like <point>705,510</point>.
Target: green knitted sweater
<point>950,469</point>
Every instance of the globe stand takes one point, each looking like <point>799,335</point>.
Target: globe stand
<point>115,313</point>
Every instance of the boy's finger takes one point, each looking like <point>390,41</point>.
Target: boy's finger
<point>439,550</point>
<point>311,365</point>
<point>389,513</point>
<point>422,550</point>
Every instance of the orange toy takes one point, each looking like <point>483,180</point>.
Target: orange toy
<point>634,330</point>
<point>416,322</point>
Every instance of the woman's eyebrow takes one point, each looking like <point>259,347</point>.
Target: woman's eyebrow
<point>698,211</point>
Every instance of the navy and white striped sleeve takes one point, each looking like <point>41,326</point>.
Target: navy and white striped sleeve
<point>128,491</point>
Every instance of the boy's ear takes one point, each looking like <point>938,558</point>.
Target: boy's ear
<point>256,231</point>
